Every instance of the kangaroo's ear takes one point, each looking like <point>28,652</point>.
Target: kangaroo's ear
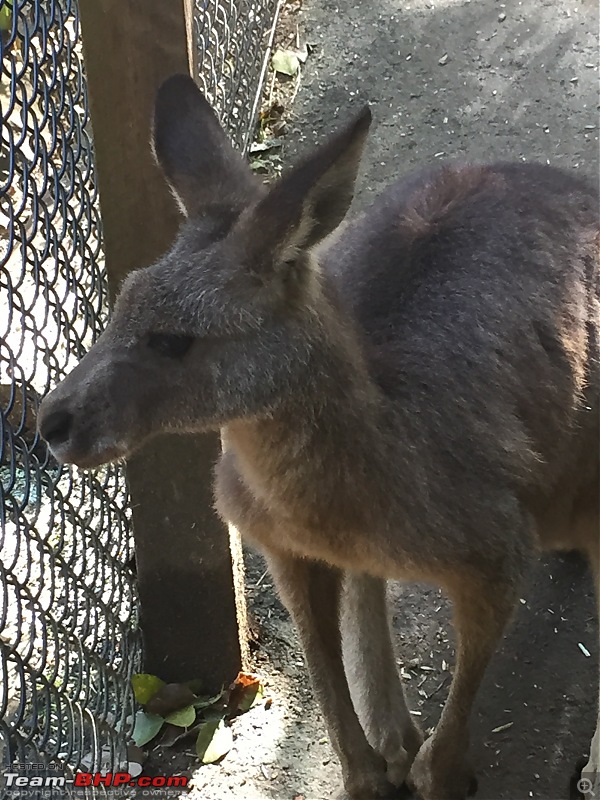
<point>308,202</point>
<point>201,166</point>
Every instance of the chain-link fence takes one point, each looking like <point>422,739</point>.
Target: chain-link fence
<point>232,39</point>
<point>68,638</point>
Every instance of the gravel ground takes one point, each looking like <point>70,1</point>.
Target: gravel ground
<point>483,80</point>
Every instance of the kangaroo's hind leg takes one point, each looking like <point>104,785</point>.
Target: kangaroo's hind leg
<point>482,609</point>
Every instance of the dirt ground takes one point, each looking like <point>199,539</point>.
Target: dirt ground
<point>483,80</point>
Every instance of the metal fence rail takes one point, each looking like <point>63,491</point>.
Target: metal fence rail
<point>68,638</point>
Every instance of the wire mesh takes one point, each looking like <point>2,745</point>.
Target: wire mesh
<point>233,39</point>
<point>68,617</point>
<point>68,641</point>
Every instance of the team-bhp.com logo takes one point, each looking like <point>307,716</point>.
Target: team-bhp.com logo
<point>33,785</point>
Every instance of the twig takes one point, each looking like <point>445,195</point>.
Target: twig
<point>437,688</point>
<point>271,89</point>
<point>261,579</point>
<point>297,86</point>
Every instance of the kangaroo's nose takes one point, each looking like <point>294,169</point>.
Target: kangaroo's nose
<point>56,427</point>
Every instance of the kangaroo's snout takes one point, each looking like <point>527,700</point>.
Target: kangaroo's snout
<point>74,420</point>
<point>77,435</point>
<point>55,426</point>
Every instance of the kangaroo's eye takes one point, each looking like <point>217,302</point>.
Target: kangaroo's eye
<point>172,345</point>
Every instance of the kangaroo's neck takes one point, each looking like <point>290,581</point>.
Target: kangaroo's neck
<point>325,446</point>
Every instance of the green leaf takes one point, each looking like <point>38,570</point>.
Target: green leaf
<point>6,12</point>
<point>146,727</point>
<point>286,62</point>
<point>213,713</point>
<point>214,741</point>
<point>184,717</point>
<point>204,701</point>
<point>145,687</point>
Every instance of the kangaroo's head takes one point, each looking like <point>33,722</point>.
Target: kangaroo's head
<point>223,325</point>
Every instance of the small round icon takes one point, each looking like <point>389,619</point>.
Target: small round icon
<point>584,785</point>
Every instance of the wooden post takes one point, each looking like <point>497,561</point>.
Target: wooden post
<point>190,589</point>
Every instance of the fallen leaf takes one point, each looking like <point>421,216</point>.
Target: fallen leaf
<point>268,144</point>
<point>6,13</point>
<point>145,686</point>
<point>251,698</point>
<point>183,717</point>
<point>146,727</point>
<point>134,768</point>
<point>303,53</point>
<point>135,758</point>
<point>170,697</point>
<point>246,691</point>
<point>258,165</point>
<point>171,734</point>
<point>205,700</point>
<point>286,62</point>
<point>214,741</point>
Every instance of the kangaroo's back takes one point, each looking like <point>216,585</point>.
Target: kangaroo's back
<point>477,289</point>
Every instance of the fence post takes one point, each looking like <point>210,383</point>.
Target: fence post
<point>190,575</point>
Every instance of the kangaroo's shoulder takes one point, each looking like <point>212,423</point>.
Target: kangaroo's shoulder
<point>449,195</point>
<point>457,214</point>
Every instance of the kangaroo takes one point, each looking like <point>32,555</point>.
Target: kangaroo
<point>411,394</point>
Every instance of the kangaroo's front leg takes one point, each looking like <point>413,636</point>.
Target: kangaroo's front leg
<point>375,685</point>
<point>312,593</point>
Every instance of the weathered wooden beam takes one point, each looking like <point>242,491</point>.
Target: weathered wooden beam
<point>189,587</point>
